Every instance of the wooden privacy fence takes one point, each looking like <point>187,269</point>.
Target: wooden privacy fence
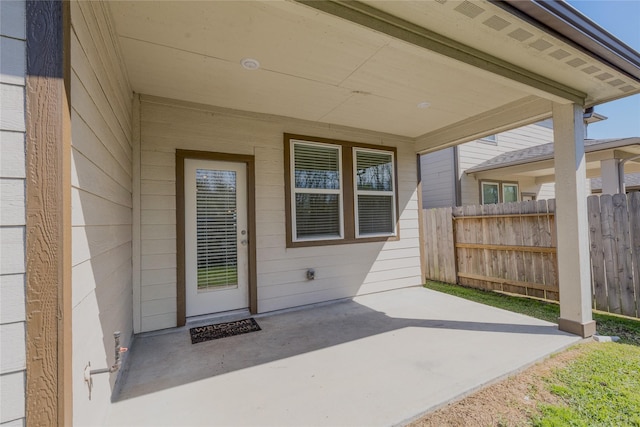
<point>614,235</point>
<point>512,247</point>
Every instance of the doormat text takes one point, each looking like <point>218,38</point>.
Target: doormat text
<point>222,330</point>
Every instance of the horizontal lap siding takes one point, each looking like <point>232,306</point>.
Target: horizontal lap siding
<point>438,179</point>
<point>101,205</point>
<point>12,214</point>
<point>341,271</point>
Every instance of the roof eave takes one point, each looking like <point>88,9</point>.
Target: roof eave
<point>618,143</point>
<point>566,22</point>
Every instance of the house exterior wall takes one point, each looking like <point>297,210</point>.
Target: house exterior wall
<point>341,270</point>
<point>438,178</point>
<point>12,214</point>
<point>437,168</point>
<point>101,117</point>
<point>475,152</point>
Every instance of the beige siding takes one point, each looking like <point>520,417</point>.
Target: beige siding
<point>546,191</point>
<point>438,179</point>
<point>473,153</point>
<point>341,271</point>
<point>101,205</point>
<point>12,214</point>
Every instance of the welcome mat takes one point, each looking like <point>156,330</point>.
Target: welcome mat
<point>222,330</point>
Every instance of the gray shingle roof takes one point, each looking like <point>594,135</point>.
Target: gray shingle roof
<point>545,152</point>
<point>631,180</point>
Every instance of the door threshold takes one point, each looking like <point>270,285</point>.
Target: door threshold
<point>225,316</point>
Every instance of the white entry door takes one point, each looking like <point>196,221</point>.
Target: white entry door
<point>216,240</point>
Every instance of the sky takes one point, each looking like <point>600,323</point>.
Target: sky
<point>622,19</point>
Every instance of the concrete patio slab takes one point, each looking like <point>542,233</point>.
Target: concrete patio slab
<point>377,360</point>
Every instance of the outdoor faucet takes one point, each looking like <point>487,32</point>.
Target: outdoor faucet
<point>88,372</point>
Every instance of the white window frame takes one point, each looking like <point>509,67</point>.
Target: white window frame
<point>510,184</point>
<point>482,184</point>
<point>357,192</point>
<point>294,191</point>
<point>490,139</point>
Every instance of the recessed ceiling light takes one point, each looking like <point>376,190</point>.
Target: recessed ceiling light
<point>423,104</point>
<point>250,64</point>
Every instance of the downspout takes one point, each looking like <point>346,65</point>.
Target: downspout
<point>456,175</point>
<point>621,184</point>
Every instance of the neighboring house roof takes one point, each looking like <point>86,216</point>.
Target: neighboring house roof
<point>545,152</point>
<point>631,180</point>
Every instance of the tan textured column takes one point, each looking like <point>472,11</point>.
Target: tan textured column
<point>574,271</point>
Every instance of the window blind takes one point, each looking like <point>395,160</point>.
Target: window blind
<point>317,191</point>
<point>375,193</point>
<point>216,217</point>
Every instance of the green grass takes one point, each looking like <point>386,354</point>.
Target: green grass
<point>599,388</point>
<point>627,329</point>
<point>217,276</point>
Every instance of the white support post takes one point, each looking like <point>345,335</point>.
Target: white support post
<point>610,176</point>
<point>574,272</point>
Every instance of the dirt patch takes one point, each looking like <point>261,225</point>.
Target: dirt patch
<point>511,402</point>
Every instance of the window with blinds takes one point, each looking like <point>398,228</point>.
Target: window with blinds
<point>339,192</point>
<point>317,191</point>
<point>216,216</point>
<point>374,192</point>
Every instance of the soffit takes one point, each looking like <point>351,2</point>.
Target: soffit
<point>314,66</point>
<point>489,28</point>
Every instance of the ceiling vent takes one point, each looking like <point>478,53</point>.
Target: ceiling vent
<point>497,23</point>
<point>469,9</point>
<point>559,54</point>
<point>540,45</point>
<point>520,34</point>
<point>576,62</point>
<point>604,76</point>
<point>590,69</point>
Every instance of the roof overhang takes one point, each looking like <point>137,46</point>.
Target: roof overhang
<point>368,65</point>
<point>542,167</point>
<point>564,20</point>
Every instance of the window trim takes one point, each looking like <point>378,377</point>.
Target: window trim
<point>489,139</point>
<point>348,194</point>
<point>512,184</point>
<point>357,192</point>
<point>500,185</point>
<point>482,184</point>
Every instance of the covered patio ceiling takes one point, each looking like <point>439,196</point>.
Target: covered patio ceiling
<point>410,68</point>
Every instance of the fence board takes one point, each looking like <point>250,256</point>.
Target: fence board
<point>439,249</point>
<point>527,231</point>
<point>596,252</point>
<point>634,221</point>
<point>610,258</point>
<point>447,258</point>
<point>511,223</point>
<point>623,252</point>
